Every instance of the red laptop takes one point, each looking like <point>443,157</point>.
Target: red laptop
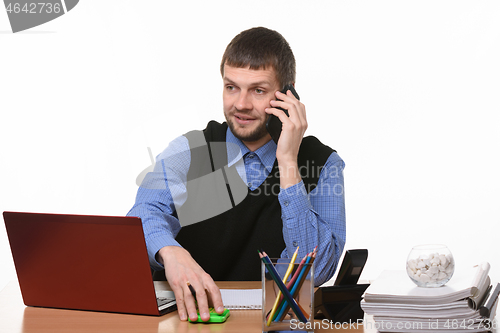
<point>84,262</point>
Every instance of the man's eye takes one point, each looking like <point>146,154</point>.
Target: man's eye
<point>259,91</point>
<point>230,88</point>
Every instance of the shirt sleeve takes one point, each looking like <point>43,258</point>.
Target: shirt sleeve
<point>157,197</point>
<point>316,219</point>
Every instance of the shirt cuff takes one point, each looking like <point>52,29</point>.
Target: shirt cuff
<point>293,201</point>
<point>154,245</point>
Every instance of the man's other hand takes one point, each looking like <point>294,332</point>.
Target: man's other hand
<point>181,268</point>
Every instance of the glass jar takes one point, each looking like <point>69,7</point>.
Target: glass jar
<point>430,265</point>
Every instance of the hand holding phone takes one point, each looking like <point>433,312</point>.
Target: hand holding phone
<point>273,124</point>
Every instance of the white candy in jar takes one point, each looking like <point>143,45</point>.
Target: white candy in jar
<point>431,268</point>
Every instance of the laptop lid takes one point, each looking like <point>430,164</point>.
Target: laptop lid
<point>82,262</point>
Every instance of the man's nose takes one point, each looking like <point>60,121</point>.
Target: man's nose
<point>244,102</point>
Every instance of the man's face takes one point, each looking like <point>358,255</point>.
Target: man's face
<point>246,95</point>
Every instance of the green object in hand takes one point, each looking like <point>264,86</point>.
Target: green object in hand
<point>214,317</point>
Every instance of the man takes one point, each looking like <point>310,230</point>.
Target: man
<point>293,195</point>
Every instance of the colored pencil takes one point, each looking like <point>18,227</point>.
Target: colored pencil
<point>274,274</point>
<point>193,292</point>
<point>284,305</point>
<point>290,283</point>
<point>191,289</point>
<point>278,297</point>
<point>296,287</point>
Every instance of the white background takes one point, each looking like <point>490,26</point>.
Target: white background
<point>406,92</point>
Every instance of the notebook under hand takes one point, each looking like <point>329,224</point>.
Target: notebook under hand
<point>84,262</point>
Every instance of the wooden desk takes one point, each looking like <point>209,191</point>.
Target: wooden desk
<point>15,317</point>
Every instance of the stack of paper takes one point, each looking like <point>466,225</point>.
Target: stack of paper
<point>398,305</point>
<point>242,299</point>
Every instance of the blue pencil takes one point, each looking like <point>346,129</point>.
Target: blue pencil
<point>298,282</point>
<point>282,287</point>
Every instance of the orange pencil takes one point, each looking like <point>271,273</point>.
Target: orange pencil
<point>300,283</point>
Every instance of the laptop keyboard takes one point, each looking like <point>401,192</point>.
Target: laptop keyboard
<point>164,302</point>
<point>165,299</point>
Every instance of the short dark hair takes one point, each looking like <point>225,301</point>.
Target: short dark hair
<point>259,48</point>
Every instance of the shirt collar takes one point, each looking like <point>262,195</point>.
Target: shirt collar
<point>266,153</point>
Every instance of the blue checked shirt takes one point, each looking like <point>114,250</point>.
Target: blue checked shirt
<point>309,220</point>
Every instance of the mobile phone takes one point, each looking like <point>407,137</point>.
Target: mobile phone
<point>214,317</point>
<point>273,124</point>
<point>352,266</point>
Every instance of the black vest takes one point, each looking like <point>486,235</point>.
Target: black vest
<point>226,244</point>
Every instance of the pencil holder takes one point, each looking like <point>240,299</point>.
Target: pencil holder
<point>278,313</point>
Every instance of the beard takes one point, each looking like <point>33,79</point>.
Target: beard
<point>240,133</point>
